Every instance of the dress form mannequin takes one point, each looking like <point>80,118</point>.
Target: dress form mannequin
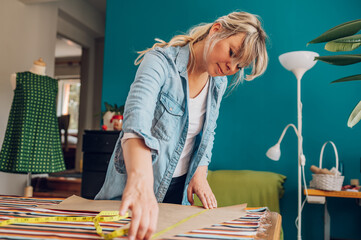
<point>38,67</point>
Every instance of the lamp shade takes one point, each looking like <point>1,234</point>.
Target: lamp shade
<point>298,59</point>
<point>274,153</point>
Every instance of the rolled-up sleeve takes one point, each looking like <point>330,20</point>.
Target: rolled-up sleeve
<point>142,98</point>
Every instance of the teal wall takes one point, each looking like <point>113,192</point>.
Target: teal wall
<point>252,117</point>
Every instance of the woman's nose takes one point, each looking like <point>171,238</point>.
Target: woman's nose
<point>232,67</point>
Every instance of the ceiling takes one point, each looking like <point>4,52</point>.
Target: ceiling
<point>66,48</point>
<point>98,4</point>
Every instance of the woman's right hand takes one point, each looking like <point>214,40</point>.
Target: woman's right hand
<point>138,196</point>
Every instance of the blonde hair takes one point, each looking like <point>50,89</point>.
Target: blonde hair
<point>252,52</point>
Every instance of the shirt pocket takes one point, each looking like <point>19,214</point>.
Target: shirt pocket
<point>167,117</point>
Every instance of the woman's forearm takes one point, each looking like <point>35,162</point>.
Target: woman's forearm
<point>138,160</point>
<point>138,195</point>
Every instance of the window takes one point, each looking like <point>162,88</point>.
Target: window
<point>68,101</point>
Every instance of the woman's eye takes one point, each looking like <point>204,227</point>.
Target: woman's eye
<point>230,53</point>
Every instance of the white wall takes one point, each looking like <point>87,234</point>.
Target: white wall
<point>27,32</point>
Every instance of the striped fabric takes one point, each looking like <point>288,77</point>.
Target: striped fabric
<point>246,227</point>
<point>16,207</point>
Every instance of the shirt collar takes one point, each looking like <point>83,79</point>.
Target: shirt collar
<point>182,59</point>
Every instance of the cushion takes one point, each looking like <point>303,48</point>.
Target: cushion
<point>256,188</point>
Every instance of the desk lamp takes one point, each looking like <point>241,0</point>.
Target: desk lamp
<point>297,62</point>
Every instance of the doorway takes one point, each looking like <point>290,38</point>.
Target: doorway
<point>68,55</point>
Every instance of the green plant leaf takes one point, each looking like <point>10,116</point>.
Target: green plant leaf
<point>342,30</point>
<point>340,60</point>
<point>348,79</point>
<point>116,109</point>
<point>108,107</point>
<point>344,44</point>
<point>121,110</point>
<point>355,116</point>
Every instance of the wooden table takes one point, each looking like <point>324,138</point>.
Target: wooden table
<point>341,194</point>
<point>14,207</point>
<point>321,197</point>
<point>275,231</point>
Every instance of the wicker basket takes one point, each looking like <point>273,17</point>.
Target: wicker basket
<point>326,181</point>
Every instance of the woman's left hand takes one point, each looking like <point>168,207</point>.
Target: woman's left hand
<point>199,185</point>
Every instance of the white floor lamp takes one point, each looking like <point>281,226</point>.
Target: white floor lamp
<point>297,62</point>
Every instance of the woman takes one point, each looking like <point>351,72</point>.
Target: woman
<point>170,116</point>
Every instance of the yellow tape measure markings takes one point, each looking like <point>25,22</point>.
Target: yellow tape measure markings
<point>111,216</point>
<point>115,233</point>
<point>104,216</point>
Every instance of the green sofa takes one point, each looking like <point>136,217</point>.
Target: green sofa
<point>256,188</point>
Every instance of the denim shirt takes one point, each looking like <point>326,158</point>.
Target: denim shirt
<point>156,110</point>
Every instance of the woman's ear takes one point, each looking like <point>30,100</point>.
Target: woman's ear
<point>215,28</point>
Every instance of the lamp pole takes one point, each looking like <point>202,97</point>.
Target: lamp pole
<point>300,152</point>
<point>299,73</point>
<point>298,62</point>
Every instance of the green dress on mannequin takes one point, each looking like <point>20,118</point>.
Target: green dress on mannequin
<point>32,141</point>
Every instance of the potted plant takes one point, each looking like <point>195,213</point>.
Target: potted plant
<point>339,39</point>
<point>109,113</point>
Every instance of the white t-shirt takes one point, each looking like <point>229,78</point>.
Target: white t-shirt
<point>197,109</point>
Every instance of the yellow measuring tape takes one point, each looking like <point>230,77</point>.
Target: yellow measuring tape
<point>177,224</point>
<point>111,216</point>
<point>104,216</point>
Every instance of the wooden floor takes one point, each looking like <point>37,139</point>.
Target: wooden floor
<point>56,187</point>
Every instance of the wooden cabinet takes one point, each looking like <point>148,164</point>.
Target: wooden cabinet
<point>98,147</point>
